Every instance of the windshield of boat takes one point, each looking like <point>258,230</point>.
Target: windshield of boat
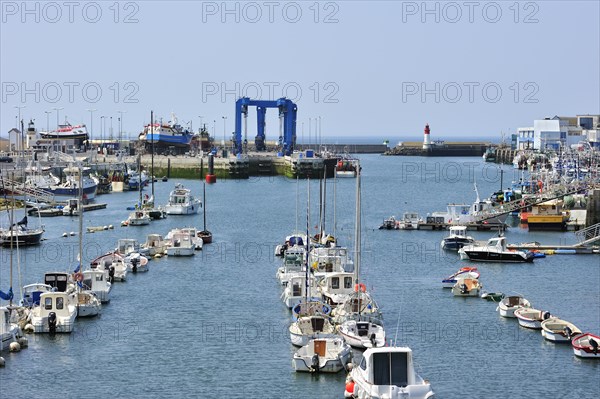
<point>390,368</point>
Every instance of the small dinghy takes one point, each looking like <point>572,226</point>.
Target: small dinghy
<point>557,330</point>
<point>322,355</point>
<point>531,318</point>
<point>492,296</point>
<point>464,272</point>
<point>466,287</point>
<point>586,345</point>
<point>508,305</point>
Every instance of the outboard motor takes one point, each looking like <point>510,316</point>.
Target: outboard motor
<point>52,322</point>
<point>568,332</point>
<point>111,274</point>
<point>134,264</point>
<point>546,315</point>
<point>594,346</point>
<point>315,363</point>
<point>463,289</point>
<point>372,339</point>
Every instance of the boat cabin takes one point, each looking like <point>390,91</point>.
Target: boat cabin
<point>95,280</point>
<point>59,281</point>
<point>388,366</point>
<point>57,302</point>
<point>125,246</point>
<point>458,231</point>
<point>497,242</point>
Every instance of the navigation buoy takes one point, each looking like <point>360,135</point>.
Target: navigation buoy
<point>350,387</point>
<point>24,342</point>
<point>14,347</point>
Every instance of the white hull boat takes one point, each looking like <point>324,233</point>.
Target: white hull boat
<point>465,272</point>
<point>182,202</point>
<point>466,287</point>
<point>87,304</point>
<point>114,263</point>
<point>457,238</point>
<point>387,372</point>
<point>531,318</point>
<point>138,218</point>
<point>55,314</point>
<point>324,355</point>
<point>180,244</point>
<point>96,282</point>
<point>587,346</point>
<point>9,332</point>
<point>494,251</point>
<point>310,327</point>
<point>557,330</point>
<point>154,245</point>
<point>508,305</point>
<point>362,334</point>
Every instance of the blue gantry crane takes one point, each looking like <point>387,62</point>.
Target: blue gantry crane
<point>288,111</point>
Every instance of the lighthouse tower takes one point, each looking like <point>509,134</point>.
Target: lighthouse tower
<point>426,138</point>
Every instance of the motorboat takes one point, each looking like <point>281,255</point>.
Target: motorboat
<point>130,250</point>
<point>85,302</point>
<point>410,221</point>
<point>457,238</point>
<point>509,304</point>
<point>463,272</point>
<point>180,244</point>
<point>346,167</point>
<point>336,288</point>
<point>466,287</point>
<point>531,318</point>
<point>32,292</point>
<point>557,330</point>
<point>70,188</point>
<point>114,263</point>
<point>137,263</point>
<point>326,260</point>
<point>389,224</point>
<point>360,302</point>
<point>298,289</point>
<point>197,241</point>
<point>97,281</point>
<point>55,314</point>
<point>586,345</point>
<point>463,214</point>
<point>127,246</point>
<point>387,372</point>
<point>362,334</point>
<point>494,251</point>
<point>20,235</point>
<point>182,202</point>
<point>322,355</point>
<point>293,241</point>
<point>155,245</point>
<point>294,264</point>
<point>139,217</point>
<point>310,327</point>
<point>492,296</point>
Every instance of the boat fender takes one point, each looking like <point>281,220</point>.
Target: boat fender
<point>2,362</point>
<point>594,346</point>
<point>350,386</point>
<point>14,347</point>
<point>24,342</point>
<point>568,332</point>
<point>314,363</point>
<point>52,322</point>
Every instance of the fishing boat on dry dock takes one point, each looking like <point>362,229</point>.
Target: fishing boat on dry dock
<point>387,372</point>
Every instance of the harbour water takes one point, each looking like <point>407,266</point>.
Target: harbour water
<point>213,326</point>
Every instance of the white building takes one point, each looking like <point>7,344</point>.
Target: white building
<point>590,127</point>
<point>525,138</point>
<point>549,133</point>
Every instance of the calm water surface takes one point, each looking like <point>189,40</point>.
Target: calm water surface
<point>213,326</point>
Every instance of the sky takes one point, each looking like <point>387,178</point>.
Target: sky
<point>379,69</point>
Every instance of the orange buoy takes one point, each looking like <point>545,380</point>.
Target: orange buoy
<point>350,387</point>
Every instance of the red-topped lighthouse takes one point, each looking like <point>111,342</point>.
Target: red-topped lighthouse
<point>426,138</point>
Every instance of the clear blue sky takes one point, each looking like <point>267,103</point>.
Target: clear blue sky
<point>361,66</point>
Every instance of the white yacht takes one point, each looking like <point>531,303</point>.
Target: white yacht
<point>296,291</point>
<point>387,372</point>
<point>197,241</point>
<point>494,251</point>
<point>180,244</point>
<point>294,263</point>
<point>336,288</point>
<point>410,221</point>
<point>97,282</point>
<point>139,217</point>
<point>457,238</point>
<point>182,202</point>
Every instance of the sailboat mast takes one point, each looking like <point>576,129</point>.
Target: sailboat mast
<point>204,203</point>
<point>324,202</point>
<point>139,168</point>
<point>357,231</point>
<point>80,219</point>
<point>152,152</point>
<point>297,200</point>
<point>12,236</point>
<point>307,241</point>
<point>334,203</point>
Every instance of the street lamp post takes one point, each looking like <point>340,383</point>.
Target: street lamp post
<point>48,121</point>
<point>224,128</point>
<point>57,109</point>
<point>201,117</point>
<point>91,111</point>
<point>121,125</point>
<point>102,125</point>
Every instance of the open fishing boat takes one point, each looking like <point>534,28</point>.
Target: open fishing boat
<point>387,372</point>
<point>180,244</point>
<point>586,345</point>
<point>463,272</point>
<point>557,330</point>
<point>508,305</point>
<point>466,287</point>
<point>362,334</point>
<point>322,355</point>
<point>155,245</point>
<point>531,318</point>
